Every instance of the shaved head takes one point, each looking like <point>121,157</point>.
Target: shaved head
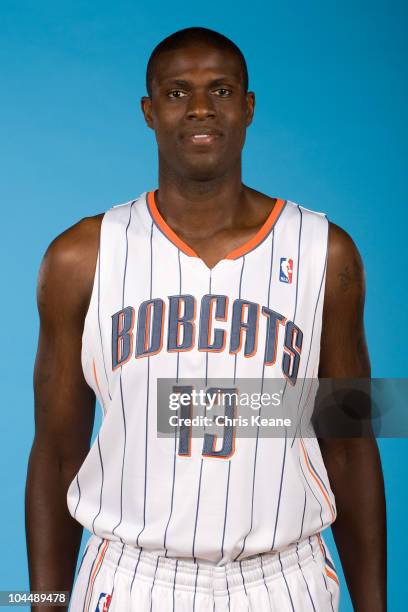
<point>190,37</point>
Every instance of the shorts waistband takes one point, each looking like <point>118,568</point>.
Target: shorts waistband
<point>200,576</point>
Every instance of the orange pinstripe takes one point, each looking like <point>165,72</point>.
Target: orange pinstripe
<point>332,575</point>
<point>328,571</point>
<point>95,571</point>
<point>317,480</point>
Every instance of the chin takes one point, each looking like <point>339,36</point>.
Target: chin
<point>202,176</point>
<point>204,170</point>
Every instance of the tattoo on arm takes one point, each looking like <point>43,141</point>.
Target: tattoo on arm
<point>351,276</point>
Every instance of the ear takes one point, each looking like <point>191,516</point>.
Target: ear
<point>146,105</point>
<point>250,107</point>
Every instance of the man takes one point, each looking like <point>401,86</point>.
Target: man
<point>202,278</point>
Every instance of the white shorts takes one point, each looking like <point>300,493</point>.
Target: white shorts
<point>119,578</point>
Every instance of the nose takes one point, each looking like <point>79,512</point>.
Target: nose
<point>200,106</point>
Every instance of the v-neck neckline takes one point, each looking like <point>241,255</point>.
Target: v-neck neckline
<point>236,253</point>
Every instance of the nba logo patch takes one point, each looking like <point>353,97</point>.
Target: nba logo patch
<point>286,270</point>
<point>103,602</point>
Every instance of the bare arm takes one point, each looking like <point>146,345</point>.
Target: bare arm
<point>353,464</point>
<point>64,407</point>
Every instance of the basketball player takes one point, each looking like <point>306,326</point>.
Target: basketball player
<point>203,277</point>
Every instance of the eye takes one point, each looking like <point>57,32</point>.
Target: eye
<point>176,93</point>
<point>223,92</point>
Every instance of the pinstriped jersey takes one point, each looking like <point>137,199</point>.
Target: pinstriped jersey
<point>156,311</point>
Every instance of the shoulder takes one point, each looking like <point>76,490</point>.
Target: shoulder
<point>345,269</point>
<point>341,244</point>
<point>71,243</point>
<point>68,266</point>
<point>73,249</point>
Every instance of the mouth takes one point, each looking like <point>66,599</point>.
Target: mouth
<point>203,138</point>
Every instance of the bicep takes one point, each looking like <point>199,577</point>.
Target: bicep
<point>344,357</point>
<point>343,345</point>
<point>64,403</point>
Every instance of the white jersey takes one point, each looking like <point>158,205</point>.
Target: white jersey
<point>158,311</point>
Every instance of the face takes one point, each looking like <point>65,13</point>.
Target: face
<point>199,111</point>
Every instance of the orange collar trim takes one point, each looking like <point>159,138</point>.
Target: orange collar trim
<point>235,253</point>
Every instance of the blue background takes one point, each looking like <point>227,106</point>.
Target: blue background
<point>330,132</point>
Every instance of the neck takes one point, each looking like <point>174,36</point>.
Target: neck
<point>200,205</point>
